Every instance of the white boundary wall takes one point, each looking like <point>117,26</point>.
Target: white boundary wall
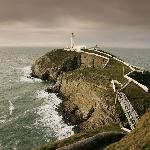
<point>139,84</point>
<point>127,64</point>
<point>103,52</point>
<point>96,55</point>
<point>132,68</point>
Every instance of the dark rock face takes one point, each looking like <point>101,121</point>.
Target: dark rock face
<point>87,105</point>
<point>52,64</point>
<point>53,89</point>
<point>72,113</point>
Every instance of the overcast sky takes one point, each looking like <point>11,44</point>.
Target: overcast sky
<point>116,23</point>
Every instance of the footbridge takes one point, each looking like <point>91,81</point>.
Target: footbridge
<point>128,109</point>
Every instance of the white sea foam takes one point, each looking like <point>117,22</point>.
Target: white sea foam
<point>11,107</point>
<point>26,76</point>
<point>3,119</point>
<point>49,117</point>
<point>1,147</point>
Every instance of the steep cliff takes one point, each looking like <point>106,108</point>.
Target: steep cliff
<point>53,63</point>
<point>89,104</point>
<point>84,82</point>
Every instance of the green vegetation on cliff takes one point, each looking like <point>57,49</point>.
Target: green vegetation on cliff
<point>84,81</point>
<point>52,64</point>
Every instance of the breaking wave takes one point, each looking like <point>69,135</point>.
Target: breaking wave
<point>11,107</point>
<point>26,76</point>
<point>3,119</point>
<point>49,117</point>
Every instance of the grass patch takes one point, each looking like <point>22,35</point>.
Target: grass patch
<point>139,99</point>
<point>141,77</point>
<point>113,71</point>
<point>58,56</point>
<point>90,75</point>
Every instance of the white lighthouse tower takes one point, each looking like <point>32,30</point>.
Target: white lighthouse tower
<point>72,41</point>
<point>72,46</point>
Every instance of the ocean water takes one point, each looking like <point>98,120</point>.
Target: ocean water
<point>28,115</point>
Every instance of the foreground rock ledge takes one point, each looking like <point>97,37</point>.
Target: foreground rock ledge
<point>98,142</point>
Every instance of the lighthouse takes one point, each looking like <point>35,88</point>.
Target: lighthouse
<point>72,46</point>
<point>72,41</point>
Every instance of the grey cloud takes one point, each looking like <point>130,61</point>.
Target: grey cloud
<point>95,21</point>
<point>121,12</point>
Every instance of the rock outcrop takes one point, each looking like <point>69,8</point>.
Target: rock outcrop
<point>52,64</point>
<point>85,84</point>
<point>87,104</point>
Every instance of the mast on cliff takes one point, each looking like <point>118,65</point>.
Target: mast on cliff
<point>72,40</point>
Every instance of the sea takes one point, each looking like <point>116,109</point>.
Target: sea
<point>28,114</point>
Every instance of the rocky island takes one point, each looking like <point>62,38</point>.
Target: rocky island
<point>89,83</point>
